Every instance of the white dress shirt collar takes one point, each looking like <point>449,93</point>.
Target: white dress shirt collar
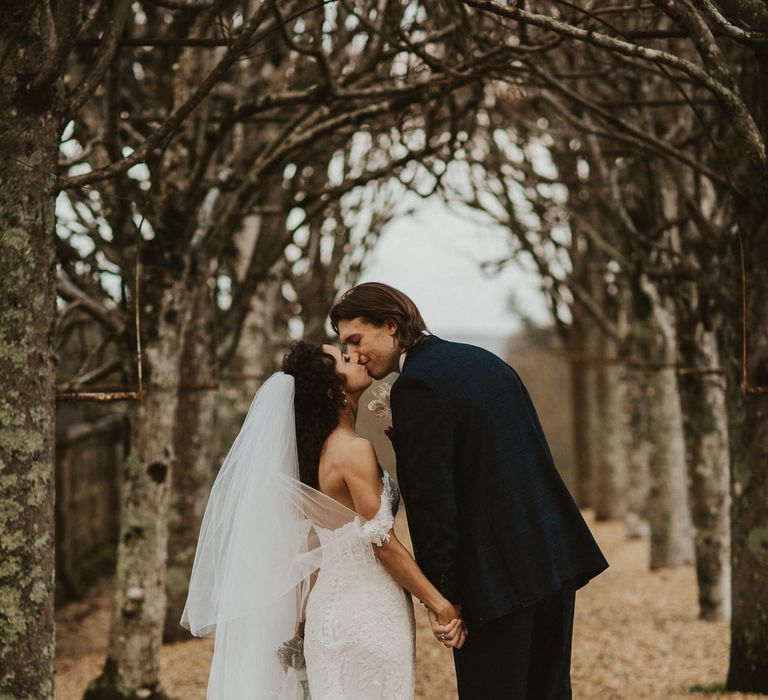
<point>403,354</point>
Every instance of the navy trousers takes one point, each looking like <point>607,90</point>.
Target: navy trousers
<point>522,656</point>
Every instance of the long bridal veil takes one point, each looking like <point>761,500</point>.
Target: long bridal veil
<point>257,552</point>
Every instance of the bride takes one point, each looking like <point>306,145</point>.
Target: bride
<point>298,572</point>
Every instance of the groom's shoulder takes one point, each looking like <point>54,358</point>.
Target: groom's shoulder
<point>444,362</point>
<point>438,353</point>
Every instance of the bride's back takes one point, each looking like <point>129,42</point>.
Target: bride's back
<point>334,463</point>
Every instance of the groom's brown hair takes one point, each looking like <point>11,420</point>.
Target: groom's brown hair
<point>378,303</point>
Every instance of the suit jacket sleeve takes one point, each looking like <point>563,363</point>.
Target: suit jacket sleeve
<point>423,441</point>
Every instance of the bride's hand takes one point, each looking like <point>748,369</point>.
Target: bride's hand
<point>445,612</point>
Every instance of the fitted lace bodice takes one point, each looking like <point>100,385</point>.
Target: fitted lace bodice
<point>359,637</point>
<point>374,531</point>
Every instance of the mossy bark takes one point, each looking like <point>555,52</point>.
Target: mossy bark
<point>30,128</point>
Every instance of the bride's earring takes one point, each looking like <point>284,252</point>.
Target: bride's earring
<point>345,398</point>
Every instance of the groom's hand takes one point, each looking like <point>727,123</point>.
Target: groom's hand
<point>453,633</point>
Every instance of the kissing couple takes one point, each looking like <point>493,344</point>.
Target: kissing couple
<point>298,572</point>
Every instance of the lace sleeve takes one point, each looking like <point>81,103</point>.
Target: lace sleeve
<point>376,530</point>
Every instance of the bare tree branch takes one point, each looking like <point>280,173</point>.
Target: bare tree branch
<point>111,318</point>
<point>121,10</point>
<point>239,46</point>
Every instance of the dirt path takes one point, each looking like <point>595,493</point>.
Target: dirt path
<point>636,636</point>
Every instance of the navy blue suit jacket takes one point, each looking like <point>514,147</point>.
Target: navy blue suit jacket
<point>492,523</point>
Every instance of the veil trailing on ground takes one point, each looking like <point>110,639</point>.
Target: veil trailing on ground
<point>257,552</point>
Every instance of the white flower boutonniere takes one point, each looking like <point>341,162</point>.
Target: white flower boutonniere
<point>379,405</point>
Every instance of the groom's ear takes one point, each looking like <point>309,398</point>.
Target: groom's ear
<point>392,330</point>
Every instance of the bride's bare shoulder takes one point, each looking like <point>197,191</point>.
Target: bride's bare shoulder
<point>351,453</point>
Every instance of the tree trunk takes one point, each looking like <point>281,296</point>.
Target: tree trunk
<point>637,447</point>
<point>195,467</point>
<point>610,463</point>
<point>669,515</point>
<point>579,345</point>
<point>263,339</point>
<point>702,397</point>
<point>706,436</point>
<point>748,424</point>
<point>30,123</point>
<point>592,415</point>
<point>315,310</point>
<point>581,444</point>
<point>133,658</point>
<point>27,402</point>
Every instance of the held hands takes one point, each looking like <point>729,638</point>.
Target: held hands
<point>453,633</point>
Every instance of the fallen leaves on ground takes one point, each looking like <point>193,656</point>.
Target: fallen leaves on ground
<point>636,636</point>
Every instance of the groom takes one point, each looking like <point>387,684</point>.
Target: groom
<point>492,524</point>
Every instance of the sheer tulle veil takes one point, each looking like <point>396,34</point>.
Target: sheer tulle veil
<point>257,552</point>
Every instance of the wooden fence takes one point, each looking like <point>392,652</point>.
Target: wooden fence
<point>89,459</point>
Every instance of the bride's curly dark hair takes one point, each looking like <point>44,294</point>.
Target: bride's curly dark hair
<point>319,398</point>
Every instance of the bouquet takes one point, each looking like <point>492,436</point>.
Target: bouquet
<point>291,656</point>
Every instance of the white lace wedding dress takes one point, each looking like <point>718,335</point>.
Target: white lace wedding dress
<point>359,640</point>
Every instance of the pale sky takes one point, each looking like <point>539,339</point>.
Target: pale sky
<point>434,256</point>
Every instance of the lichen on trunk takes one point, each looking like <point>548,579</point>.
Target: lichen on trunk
<point>27,399</point>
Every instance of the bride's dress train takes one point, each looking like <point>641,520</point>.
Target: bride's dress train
<point>359,641</point>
